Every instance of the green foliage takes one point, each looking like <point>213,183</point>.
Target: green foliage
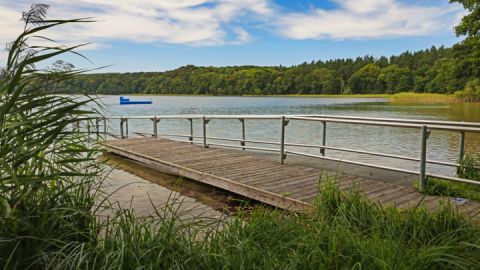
<point>471,92</point>
<point>364,80</point>
<point>469,169</point>
<point>439,187</point>
<point>430,70</point>
<point>470,23</point>
<point>46,169</point>
<point>467,52</point>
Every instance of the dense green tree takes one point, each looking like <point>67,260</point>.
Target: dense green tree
<point>395,79</point>
<point>467,52</point>
<point>441,78</point>
<point>365,79</point>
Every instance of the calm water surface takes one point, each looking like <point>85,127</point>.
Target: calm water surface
<point>441,145</point>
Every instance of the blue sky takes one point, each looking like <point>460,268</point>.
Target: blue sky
<point>157,35</point>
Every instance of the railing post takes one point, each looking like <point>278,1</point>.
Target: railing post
<point>123,135</point>
<point>205,122</point>
<point>191,130</point>
<point>126,128</point>
<point>324,137</point>
<point>423,158</point>
<point>121,128</point>
<point>97,124</point>
<point>283,156</point>
<point>461,150</point>
<point>105,128</point>
<point>155,126</point>
<point>242,143</point>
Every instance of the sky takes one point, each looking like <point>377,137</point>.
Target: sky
<point>159,35</point>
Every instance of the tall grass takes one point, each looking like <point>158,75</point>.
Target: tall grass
<point>346,232</point>
<point>422,98</point>
<point>46,170</point>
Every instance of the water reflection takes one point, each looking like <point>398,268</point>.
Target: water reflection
<point>146,190</point>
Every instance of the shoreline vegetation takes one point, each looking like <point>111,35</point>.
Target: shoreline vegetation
<point>404,97</point>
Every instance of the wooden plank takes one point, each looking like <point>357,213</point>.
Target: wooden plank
<point>391,197</point>
<point>290,181</point>
<point>287,177</point>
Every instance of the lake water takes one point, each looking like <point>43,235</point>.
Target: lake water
<point>442,145</point>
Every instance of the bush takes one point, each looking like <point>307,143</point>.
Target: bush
<point>470,167</point>
<point>471,92</point>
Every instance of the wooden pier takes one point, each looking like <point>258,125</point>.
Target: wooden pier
<point>285,186</point>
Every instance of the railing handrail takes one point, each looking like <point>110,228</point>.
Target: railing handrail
<point>390,122</point>
<point>397,120</point>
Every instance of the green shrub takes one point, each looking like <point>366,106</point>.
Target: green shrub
<point>470,167</point>
<point>471,92</point>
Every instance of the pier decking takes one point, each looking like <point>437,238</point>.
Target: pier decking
<point>285,186</point>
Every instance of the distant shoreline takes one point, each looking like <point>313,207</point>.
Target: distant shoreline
<point>293,95</point>
<point>405,97</point>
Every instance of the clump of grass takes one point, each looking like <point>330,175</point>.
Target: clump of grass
<point>422,98</point>
<point>441,187</point>
<point>469,169</point>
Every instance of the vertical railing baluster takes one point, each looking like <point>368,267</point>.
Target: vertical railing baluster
<point>242,143</point>
<point>191,130</point>
<point>283,156</point>
<point>205,122</point>
<point>122,121</point>
<point>104,128</point>
<point>155,126</point>
<point>324,137</point>
<point>97,127</point>
<point>126,128</point>
<point>461,150</point>
<point>423,159</point>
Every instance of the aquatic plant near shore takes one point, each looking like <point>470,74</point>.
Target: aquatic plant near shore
<point>408,97</point>
<point>46,170</point>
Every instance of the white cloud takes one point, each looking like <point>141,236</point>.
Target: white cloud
<point>216,22</point>
<point>193,22</point>
<point>358,19</point>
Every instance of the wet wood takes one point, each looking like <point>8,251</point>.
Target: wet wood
<point>285,186</point>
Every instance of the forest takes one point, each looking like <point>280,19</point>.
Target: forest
<point>433,70</point>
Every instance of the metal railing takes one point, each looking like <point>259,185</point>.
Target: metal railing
<point>424,126</point>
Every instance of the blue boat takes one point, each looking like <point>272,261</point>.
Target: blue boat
<point>127,101</point>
